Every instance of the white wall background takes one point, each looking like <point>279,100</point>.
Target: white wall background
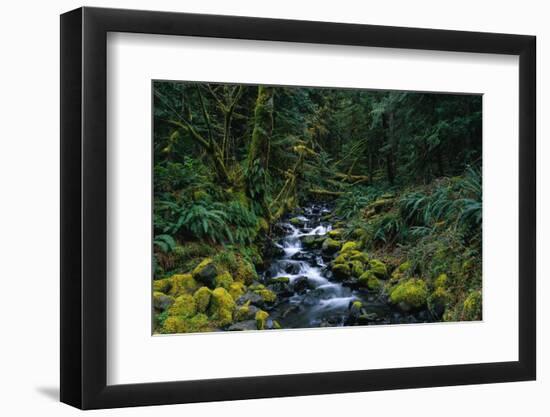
<point>29,225</point>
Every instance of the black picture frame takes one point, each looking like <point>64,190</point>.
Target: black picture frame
<point>84,207</point>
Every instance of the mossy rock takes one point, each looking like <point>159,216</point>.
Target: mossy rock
<point>359,256</point>
<point>438,300</point>
<point>162,301</point>
<point>340,259</point>
<point>261,318</point>
<point>179,324</point>
<point>331,246</point>
<point>279,280</point>
<point>336,234</point>
<point>357,268</point>
<point>312,242</point>
<point>221,306</point>
<point>162,285</point>
<point>349,246</point>
<point>268,296</point>
<point>410,294</point>
<point>246,312</point>
<point>245,272</point>
<point>378,268</point>
<point>236,289</point>
<point>183,284</point>
<point>400,271</point>
<point>183,306</point>
<point>202,298</point>
<point>341,271</point>
<point>206,273</point>
<point>471,308</point>
<point>296,221</point>
<point>223,280</point>
<point>369,280</point>
<point>262,225</point>
<point>441,281</point>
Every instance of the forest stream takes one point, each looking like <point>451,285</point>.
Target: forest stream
<point>308,293</point>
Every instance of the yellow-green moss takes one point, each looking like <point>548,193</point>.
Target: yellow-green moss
<point>441,281</point>
<point>349,246</point>
<point>263,225</point>
<point>268,296</point>
<point>413,293</point>
<point>162,301</point>
<point>359,256</point>
<point>340,259</point>
<point>243,312</point>
<point>236,289</point>
<point>202,298</point>
<point>358,305</point>
<point>162,285</point>
<point>178,324</point>
<point>221,306</point>
<point>223,280</point>
<point>369,280</point>
<point>276,324</point>
<point>182,284</point>
<point>244,272</point>
<point>336,233</point>
<point>400,271</point>
<point>184,306</point>
<point>200,195</point>
<point>378,268</point>
<point>261,317</point>
<point>341,270</point>
<point>357,268</point>
<point>471,309</point>
<point>330,245</point>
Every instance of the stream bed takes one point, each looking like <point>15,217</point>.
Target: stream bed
<point>308,295</point>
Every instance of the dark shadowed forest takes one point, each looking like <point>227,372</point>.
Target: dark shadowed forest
<point>290,207</point>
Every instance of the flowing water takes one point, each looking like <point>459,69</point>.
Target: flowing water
<point>312,297</point>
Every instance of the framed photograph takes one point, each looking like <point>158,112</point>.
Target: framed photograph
<point>257,208</point>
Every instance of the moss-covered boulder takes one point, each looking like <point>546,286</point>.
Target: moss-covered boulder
<point>202,298</point>
<point>336,234</point>
<point>162,301</point>
<point>410,295</point>
<point>331,246</point>
<point>312,242</point>
<point>246,312</point>
<point>400,271</point>
<point>236,289</point>
<point>261,319</point>
<point>182,284</point>
<point>357,268</point>
<point>471,308</point>
<point>340,259</point>
<point>378,268</point>
<point>223,280</point>
<point>162,285</point>
<point>206,273</point>
<point>341,271</point>
<point>221,306</point>
<point>297,221</point>
<point>279,280</point>
<point>359,256</point>
<point>181,324</point>
<point>184,306</point>
<point>369,280</point>
<point>438,300</point>
<point>244,272</point>
<point>441,281</point>
<point>349,246</point>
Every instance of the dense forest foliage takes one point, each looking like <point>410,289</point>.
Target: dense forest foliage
<point>400,171</point>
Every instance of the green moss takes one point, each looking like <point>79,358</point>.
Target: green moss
<point>358,305</point>
<point>412,293</point>
<point>401,271</point>
<point>341,271</point>
<point>336,233</point>
<point>369,280</point>
<point>221,306</point>
<point>182,284</point>
<point>236,289</point>
<point>183,306</point>
<point>359,256</point>
<point>340,259</point>
<point>162,301</point>
<point>378,268</point>
<point>349,246</point>
<point>276,324</point>
<point>331,246</point>
<point>357,268</point>
<point>441,281</point>
<point>244,272</point>
<point>268,296</point>
<point>244,312</point>
<point>279,280</point>
<point>223,280</point>
<point>178,324</point>
<point>202,298</point>
<point>296,221</point>
<point>261,317</point>
<point>200,195</point>
<point>162,285</point>
<point>206,272</point>
<point>471,308</point>
<point>263,225</point>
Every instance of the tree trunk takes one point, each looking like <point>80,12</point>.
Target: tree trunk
<point>263,126</point>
